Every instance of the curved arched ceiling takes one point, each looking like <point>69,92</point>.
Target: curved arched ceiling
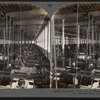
<point>30,18</point>
<point>70,14</point>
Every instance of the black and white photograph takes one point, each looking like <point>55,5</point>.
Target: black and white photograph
<point>24,46</point>
<point>76,46</point>
<point>61,51</point>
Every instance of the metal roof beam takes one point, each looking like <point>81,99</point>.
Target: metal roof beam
<point>73,15</point>
<point>27,13</point>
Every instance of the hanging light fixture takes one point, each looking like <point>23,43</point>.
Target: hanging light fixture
<point>2,14</point>
<point>85,14</point>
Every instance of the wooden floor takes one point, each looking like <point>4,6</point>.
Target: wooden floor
<point>5,87</point>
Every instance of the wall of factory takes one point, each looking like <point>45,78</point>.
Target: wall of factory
<point>43,40</point>
<point>67,40</point>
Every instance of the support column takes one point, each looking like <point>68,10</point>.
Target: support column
<point>97,38</point>
<point>18,39</point>
<point>23,40</point>
<point>63,43</point>
<point>93,51</point>
<point>89,38</point>
<point>50,48</point>
<point>4,49</point>
<point>78,38</point>
<point>87,44</point>
<point>54,47</point>
<point>20,29</point>
<point>48,40</point>
<point>13,37</point>
<point>10,38</point>
<point>98,43</point>
<point>44,39</point>
<point>78,43</point>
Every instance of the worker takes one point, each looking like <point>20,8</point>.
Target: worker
<point>21,83</point>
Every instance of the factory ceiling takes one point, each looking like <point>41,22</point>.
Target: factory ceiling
<point>89,7</point>
<point>77,13</point>
<point>29,18</point>
<point>14,7</point>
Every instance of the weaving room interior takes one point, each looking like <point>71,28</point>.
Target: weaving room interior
<point>37,51</point>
